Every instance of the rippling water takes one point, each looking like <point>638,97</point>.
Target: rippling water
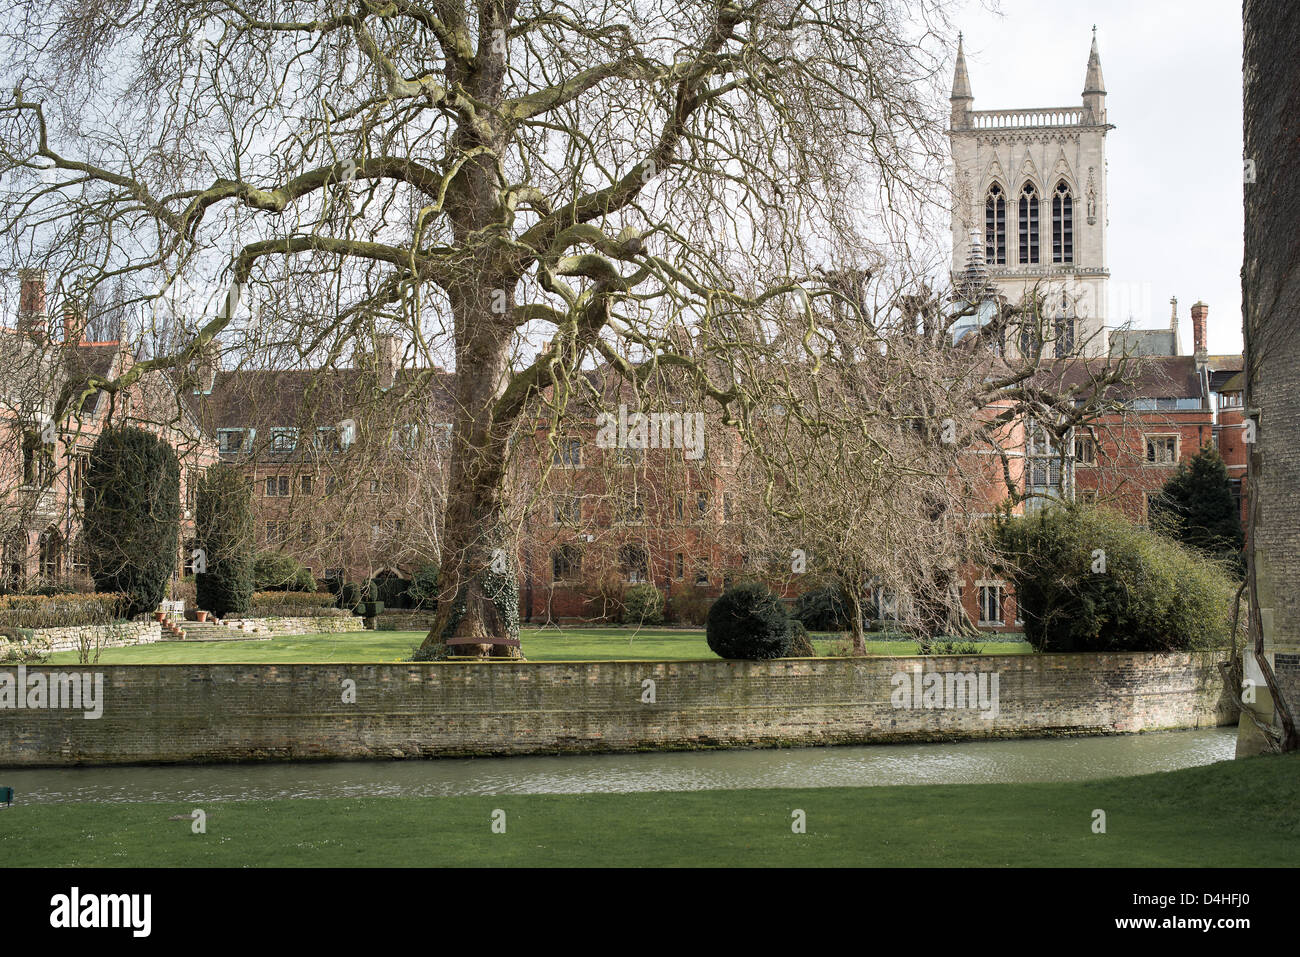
<point>1054,759</point>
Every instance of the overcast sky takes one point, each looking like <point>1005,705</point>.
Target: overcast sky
<point>1173,78</point>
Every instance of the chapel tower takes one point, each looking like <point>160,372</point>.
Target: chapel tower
<point>1032,183</point>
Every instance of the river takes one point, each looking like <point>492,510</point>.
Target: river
<point>1048,759</point>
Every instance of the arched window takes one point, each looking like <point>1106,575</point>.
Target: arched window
<point>995,227</point>
<point>13,563</point>
<point>51,554</point>
<point>1062,224</point>
<point>1028,225</point>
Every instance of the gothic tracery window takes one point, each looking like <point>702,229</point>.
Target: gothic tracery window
<point>1062,224</point>
<point>1065,326</point>
<point>995,227</point>
<point>1028,225</point>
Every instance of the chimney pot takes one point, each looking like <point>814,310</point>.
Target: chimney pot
<point>1200,320</point>
<point>209,362</point>
<point>31,303</point>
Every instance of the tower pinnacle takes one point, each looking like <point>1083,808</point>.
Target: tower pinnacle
<point>960,78</point>
<point>1094,88</point>
<point>1093,83</point>
<point>961,98</point>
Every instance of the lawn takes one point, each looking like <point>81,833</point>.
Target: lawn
<point>1234,813</point>
<point>539,644</point>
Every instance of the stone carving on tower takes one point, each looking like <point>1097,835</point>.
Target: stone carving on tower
<point>1042,229</point>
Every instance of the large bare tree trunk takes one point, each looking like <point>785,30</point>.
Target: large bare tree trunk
<point>1271,308</point>
<point>479,590</point>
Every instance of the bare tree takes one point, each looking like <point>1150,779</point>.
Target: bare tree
<point>474,173</point>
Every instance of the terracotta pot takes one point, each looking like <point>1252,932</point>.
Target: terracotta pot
<point>202,615</point>
<point>159,615</point>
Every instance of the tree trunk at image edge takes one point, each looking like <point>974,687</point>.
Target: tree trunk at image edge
<point>1271,310</point>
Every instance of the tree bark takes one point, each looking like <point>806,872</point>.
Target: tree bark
<point>853,596</point>
<point>1270,306</point>
<point>478,587</point>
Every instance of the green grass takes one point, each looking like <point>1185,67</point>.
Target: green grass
<point>539,644</point>
<point>1235,813</point>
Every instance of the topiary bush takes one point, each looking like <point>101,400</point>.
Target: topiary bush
<point>349,596</point>
<point>223,521</point>
<point>822,609</point>
<point>749,622</point>
<point>1087,579</point>
<point>132,516</point>
<point>643,604</point>
<point>275,571</point>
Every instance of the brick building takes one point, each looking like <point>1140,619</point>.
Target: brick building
<point>44,454</point>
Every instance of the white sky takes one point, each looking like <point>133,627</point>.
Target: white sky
<point>1173,78</point>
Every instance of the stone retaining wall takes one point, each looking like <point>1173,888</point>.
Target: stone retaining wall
<point>94,636</point>
<point>179,713</point>
<point>405,620</point>
<point>275,627</point>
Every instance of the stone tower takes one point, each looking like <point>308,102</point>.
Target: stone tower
<point>1032,182</point>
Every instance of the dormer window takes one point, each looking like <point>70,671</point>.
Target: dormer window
<point>284,440</point>
<point>230,440</point>
<point>407,437</point>
<point>327,439</point>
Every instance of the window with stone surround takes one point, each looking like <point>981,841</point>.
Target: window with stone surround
<point>1062,224</point>
<point>1028,225</point>
<point>1162,449</point>
<point>995,227</point>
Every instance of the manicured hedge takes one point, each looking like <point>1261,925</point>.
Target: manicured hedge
<point>1087,579</point>
<point>62,611</point>
<point>297,599</point>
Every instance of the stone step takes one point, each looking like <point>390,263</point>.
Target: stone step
<point>212,631</point>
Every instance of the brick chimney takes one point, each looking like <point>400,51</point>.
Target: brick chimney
<point>74,323</point>
<point>31,303</point>
<point>1200,316</point>
<point>388,350</point>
